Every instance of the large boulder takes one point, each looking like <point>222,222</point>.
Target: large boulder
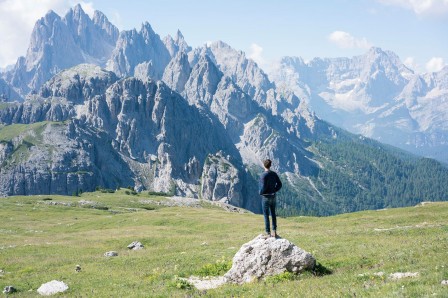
<point>263,257</point>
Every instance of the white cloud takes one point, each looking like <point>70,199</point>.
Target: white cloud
<point>411,63</point>
<point>88,8</point>
<point>347,41</point>
<point>421,7</point>
<point>17,19</point>
<point>435,64</point>
<point>256,54</point>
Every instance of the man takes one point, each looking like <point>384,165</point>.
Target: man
<point>269,185</point>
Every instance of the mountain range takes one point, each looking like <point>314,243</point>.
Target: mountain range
<point>91,107</point>
<point>375,95</point>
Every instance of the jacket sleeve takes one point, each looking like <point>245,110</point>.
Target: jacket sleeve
<point>261,185</point>
<point>278,184</point>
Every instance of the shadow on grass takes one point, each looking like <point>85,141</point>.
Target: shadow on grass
<point>321,270</point>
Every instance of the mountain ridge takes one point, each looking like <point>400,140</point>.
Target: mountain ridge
<point>375,95</point>
<point>201,132</point>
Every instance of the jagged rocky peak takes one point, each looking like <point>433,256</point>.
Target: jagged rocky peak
<point>79,83</point>
<point>57,44</point>
<point>244,72</point>
<point>102,22</point>
<point>49,32</point>
<point>134,48</point>
<point>177,72</point>
<point>96,37</point>
<point>176,44</point>
<point>203,81</point>
<point>378,60</point>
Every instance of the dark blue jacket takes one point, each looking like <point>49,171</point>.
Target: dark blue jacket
<point>269,183</point>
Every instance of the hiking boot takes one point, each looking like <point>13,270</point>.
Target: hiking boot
<point>266,235</point>
<point>275,235</point>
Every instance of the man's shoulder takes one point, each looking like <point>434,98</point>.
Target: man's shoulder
<point>273,173</point>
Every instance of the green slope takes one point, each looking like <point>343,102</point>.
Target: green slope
<point>357,173</point>
<point>41,242</point>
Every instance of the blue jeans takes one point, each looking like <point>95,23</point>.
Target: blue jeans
<point>268,204</point>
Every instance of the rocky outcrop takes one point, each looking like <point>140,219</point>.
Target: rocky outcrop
<point>264,257</point>
<point>221,181</point>
<point>79,83</point>
<point>59,158</point>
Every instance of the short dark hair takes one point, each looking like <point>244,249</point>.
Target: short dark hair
<point>267,163</point>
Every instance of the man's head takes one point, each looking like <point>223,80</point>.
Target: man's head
<point>267,164</point>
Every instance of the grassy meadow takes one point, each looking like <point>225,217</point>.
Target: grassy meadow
<point>40,242</point>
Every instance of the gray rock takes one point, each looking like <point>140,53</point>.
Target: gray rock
<point>9,290</point>
<point>177,72</point>
<point>52,287</point>
<point>133,48</point>
<point>136,245</point>
<point>266,257</point>
<point>221,180</point>
<point>176,44</point>
<point>7,93</point>
<point>111,254</point>
<point>400,275</point>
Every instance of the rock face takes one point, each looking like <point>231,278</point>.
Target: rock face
<point>59,43</point>
<point>265,257</point>
<point>53,157</point>
<point>134,48</point>
<point>7,93</point>
<point>221,181</point>
<point>52,287</point>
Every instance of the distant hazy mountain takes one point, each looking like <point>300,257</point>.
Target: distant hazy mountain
<point>164,117</point>
<point>374,95</point>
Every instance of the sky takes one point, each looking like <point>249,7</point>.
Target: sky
<point>416,30</point>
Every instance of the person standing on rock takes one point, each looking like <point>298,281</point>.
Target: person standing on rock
<point>270,184</point>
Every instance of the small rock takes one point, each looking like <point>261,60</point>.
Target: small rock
<point>379,273</point>
<point>111,254</point>
<point>206,283</point>
<point>204,243</point>
<point>135,245</point>
<point>444,282</point>
<point>78,268</point>
<point>400,275</point>
<point>52,287</point>
<point>9,290</point>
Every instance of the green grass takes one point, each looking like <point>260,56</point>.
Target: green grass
<point>41,242</point>
<point>7,133</point>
